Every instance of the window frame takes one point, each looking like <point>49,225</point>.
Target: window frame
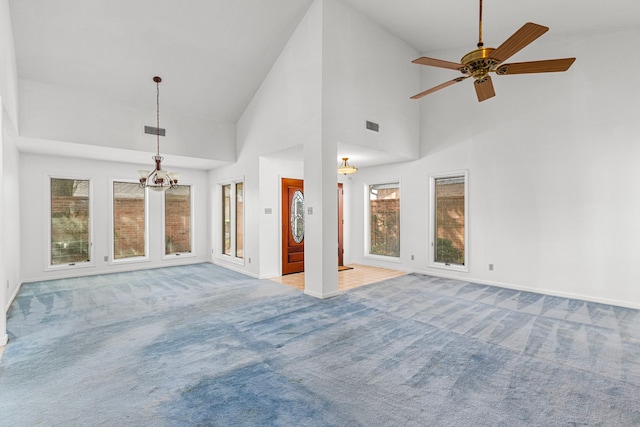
<point>127,260</point>
<point>235,218</point>
<point>432,220</point>
<point>75,265</point>
<point>367,222</point>
<point>233,232</point>
<point>192,253</point>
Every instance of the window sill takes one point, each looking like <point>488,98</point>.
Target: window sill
<point>450,267</point>
<point>178,255</point>
<point>70,266</point>
<point>131,260</point>
<point>383,258</point>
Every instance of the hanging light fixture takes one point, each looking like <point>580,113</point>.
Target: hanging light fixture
<point>158,179</point>
<point>346,168</point>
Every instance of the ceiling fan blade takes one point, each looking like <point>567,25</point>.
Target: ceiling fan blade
<point>521,38</point>
<point>436,88</point>
<point>437,63</point>
<point>484,89</point>
<point>548,66</point>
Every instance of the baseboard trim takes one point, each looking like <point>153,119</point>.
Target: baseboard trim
<point>234,268</point>
<point>123,268</point>
<point>322,296</point>
<point>13,297</point>
<point>4,340</point>
<point>550,292</point>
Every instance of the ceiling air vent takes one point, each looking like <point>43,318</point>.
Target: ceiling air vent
<point>373,126</point>
<point>152,130</point>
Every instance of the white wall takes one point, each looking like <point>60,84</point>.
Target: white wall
<point>284,113</point>
<point>9,218</point>
<point>34,170</point>
<point>61,114</point>
<point>367,74</point>
<point>553,175</point>
<point>338,70</point>
<point>11,213</point>
<point>8,71</point>
<point>9,238</point>
<point>272,170</point>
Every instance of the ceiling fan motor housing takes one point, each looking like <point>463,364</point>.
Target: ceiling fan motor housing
<point>478,63</point>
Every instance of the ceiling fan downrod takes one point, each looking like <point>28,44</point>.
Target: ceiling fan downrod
<point>480,44</point>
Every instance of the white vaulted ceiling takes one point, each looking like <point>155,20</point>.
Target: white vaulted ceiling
<point>214,54</point>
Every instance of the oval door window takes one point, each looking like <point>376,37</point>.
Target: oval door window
<point>297,216</point>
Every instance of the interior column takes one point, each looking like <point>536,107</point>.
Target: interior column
<point>321,218</point>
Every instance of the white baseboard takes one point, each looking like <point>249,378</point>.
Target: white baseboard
<point>322,296</point>
<point>234,268</point>
<point>13,297</point>
<point>536,290</point>
<point>4,340</point>
<point>123,268</point>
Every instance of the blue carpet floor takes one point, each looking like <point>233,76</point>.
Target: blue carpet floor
<point>201,345</point>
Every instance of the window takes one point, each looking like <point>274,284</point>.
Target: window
<point>233,219</point>
<point>129,221</point>
<point>239,219</point>
<point>226,219</point>
<point>70,225</point>
<point>178,220</point>
<point>384,219</point>
<point>449,231</point>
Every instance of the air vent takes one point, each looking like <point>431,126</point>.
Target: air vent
<point>373,126</point>
<point>152,130</point>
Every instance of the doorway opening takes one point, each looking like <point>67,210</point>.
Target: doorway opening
<point>293,225</point>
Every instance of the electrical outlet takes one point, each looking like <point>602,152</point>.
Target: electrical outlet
<point>106,258</point>
<point>413,258</point>
<point>490,267</point>
<point>249,260</point>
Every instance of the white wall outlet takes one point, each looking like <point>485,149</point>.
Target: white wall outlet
<point>413,258</point>
<point>490,267</point>
<point>106,258</point>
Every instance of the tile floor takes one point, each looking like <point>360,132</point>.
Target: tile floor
<point>359,275</point>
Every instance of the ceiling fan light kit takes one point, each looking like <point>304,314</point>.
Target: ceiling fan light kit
<point>484,60</point>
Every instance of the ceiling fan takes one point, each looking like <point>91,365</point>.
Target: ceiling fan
<point>484,60</point>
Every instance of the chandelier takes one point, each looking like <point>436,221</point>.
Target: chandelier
<point>346,168</point>
<point>158,179</point>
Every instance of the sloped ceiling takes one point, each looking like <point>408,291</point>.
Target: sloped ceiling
<point>214,54</point>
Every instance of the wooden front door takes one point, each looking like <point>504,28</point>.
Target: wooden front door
<point>340,227</point>
<point>292,225</point>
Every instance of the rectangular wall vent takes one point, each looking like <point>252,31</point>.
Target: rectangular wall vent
<point>373,126</point>
<point>152,130</point>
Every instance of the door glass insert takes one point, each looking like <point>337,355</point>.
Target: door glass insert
<point>297,216</point>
